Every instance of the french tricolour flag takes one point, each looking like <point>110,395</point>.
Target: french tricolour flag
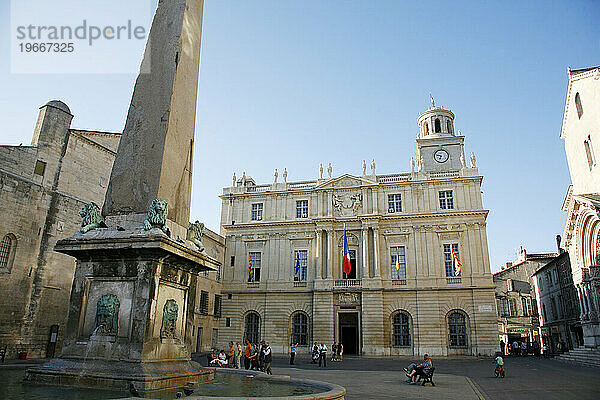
<point>346,266</point>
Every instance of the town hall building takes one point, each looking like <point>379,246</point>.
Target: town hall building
<point>420,279</point>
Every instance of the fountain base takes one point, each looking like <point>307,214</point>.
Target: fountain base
<point>109,375</point>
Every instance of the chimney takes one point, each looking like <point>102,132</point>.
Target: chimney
<point>508,264</point>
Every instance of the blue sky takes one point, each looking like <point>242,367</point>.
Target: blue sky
<point>297,83</point>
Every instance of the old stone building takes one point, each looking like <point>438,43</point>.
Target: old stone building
<point>558,303</point>
<point>406,293</point>
<point>515,297</point>
<point>581,235</point>
<point>42,188</point>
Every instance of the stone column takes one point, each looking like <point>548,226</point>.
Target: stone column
<point>365,253</point>
<point>328,269</point>
<point>376,263</point>
<point>319,254</point>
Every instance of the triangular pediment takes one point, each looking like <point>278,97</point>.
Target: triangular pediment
<point>346,181</point>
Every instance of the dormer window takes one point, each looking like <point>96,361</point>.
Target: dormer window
<point>438,126</point>
<point>578,105</point>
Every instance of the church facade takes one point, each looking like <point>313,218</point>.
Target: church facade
<point>420,280</point>
<point>581,234</point>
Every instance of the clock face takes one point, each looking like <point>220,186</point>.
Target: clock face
<point>440,156</point>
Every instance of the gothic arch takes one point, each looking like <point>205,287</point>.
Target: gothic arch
<point>587,229</point>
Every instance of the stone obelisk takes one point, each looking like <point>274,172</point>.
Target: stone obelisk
<point>154,159</point>
<point>133,296</point>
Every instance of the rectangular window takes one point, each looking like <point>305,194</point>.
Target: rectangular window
<point>526,309</point>
<point>589,152</point>
<point>40,168</point>
<point>257,212</point>
<point>513,307</point>
<point>302,209</point>
<point>553,308</point>
<point>449,262</point>
<point>203,302</point>
<point>254,269</point>
<point>217,308</point>
<point>561,306</point>
<point>232,262</point>
<point>504,311</point>
<point>228,322</point>
<point>300,264</point>
<point>446,200</point>
<point>352,274</point>
<point>549,278</point>
<point>394,203</point>
<point>398,258</point>
<point>218,276</point>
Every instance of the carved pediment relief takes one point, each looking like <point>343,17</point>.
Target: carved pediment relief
<point>347,203</point>
<point>346,181</point>
<point>352,298</point>
<point>352,239</point>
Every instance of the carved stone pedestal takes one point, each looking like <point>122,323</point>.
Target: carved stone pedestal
<point>130,312</point>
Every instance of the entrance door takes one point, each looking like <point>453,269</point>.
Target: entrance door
<point>348,331</point>
<point>199,340</point>
<point>52,338</point>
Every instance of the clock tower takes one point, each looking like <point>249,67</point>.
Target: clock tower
<point>438,148</point>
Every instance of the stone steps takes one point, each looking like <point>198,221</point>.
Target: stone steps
<point>582,355</point>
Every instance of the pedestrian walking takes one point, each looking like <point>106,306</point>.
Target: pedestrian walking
<point>333,351</point>
<point>231,355</point>
<point>502,346</point>
<point>341,350</point>
<point>293,352</point>
<point>315,353</point>
<point>248,354</point>
<point>323,354</point>
<point>238,355</point>
<point>268,357</point>
<point>261,356</point>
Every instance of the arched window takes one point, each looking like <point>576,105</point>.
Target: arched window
<point>457,326</point>
<point>578,105</point>
<point>251,327</point>
<point>449,126</point>
<point>426,128</point>
<point>300,329</point>
<point>438,126</point>
<point>7,250</point>
<point>401,329</point>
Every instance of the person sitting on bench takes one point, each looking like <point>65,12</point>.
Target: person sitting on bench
<point>422,369</point>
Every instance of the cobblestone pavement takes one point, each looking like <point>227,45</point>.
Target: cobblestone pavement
<point>531,378</point>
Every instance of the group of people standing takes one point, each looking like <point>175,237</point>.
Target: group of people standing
<point>258,357</point>
<point>319,353</point>
<point>523,348</point>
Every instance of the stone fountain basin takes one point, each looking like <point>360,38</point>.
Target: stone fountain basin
<point>260,382</point>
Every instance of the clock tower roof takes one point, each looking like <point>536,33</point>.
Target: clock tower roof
<point>435,122</point>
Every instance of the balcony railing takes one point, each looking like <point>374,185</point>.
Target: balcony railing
<point>344,283</point>
<point>398,282</point>
<point>299,283</point>
<point>454,280</point>
<point>444,174</point>
<point>253,284</point>
<point>394,178</point>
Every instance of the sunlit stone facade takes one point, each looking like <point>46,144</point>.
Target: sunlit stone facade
<point>404,296</point>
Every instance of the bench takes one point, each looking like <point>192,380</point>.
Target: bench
<point>427,377</point>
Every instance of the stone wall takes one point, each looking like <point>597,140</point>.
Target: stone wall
<point>39,209</point>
